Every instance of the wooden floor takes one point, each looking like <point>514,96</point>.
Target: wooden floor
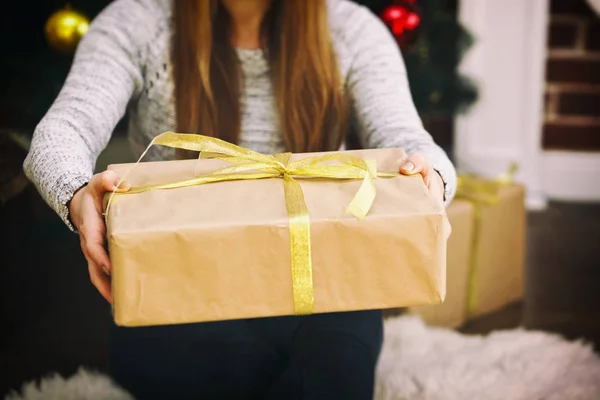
<point>562,277</point>
<point>53,320</point>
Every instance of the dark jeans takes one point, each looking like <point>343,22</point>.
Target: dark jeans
<point>322,356</point>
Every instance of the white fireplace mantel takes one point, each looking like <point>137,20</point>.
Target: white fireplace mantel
<point>507,62</point>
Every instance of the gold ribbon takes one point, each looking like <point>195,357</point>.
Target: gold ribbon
<point>481,193</point>
<point>248,164</point>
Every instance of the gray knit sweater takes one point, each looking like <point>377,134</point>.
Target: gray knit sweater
<point>123,63</point>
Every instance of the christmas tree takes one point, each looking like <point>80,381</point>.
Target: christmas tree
<point>432,44</point>
<point>34,70</point>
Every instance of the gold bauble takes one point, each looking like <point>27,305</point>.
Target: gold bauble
<point>65,28</point>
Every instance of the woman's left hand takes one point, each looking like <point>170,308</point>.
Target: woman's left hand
<point>417,164</point>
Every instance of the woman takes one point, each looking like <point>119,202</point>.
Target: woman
<point>271,75</point>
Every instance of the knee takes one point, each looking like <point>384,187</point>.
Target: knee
<point>337,364</point>
<point>343,337</point>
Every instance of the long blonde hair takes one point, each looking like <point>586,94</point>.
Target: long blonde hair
<point>303,66</point>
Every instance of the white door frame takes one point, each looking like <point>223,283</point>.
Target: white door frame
<point>507,62</point>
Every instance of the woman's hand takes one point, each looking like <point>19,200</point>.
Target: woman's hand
<point>85,209</point>
<point>417,164</point>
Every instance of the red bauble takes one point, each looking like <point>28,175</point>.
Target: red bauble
<point>403,20</point>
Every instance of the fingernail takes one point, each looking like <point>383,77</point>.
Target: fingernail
<point>408,166</point>
<point>105,270</point>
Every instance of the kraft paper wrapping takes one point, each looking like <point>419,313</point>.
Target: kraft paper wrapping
<point>221,251</point>
<point>453,312</point>
<point>498,279</point>
<point>494,279</point>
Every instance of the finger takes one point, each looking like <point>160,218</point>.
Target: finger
<point>107,181</point>
<point>89,259</point>
<point>417,164</point>
<point>413,164</point>
<point>89,252</point>
<point>427,174</point>
<point>92,232</point>
<point>84,249</point>
<point>100,281</point>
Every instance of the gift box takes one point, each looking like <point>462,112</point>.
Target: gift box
<point>227,238</point>
<point>497,278</point>
<point>453,312</point>
<point>486,252</point>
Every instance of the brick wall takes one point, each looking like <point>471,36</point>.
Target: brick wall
<point>572,114</point>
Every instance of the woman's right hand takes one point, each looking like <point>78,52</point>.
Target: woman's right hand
<point>85,209</point>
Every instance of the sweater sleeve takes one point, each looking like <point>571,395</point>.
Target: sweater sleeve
<point>106,73</point>
<point>384,114</point>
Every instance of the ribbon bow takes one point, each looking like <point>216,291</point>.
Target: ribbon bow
<point>248,164</point>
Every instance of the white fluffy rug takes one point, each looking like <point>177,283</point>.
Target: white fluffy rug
<point>84,385</point>
<point>424,363</point>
